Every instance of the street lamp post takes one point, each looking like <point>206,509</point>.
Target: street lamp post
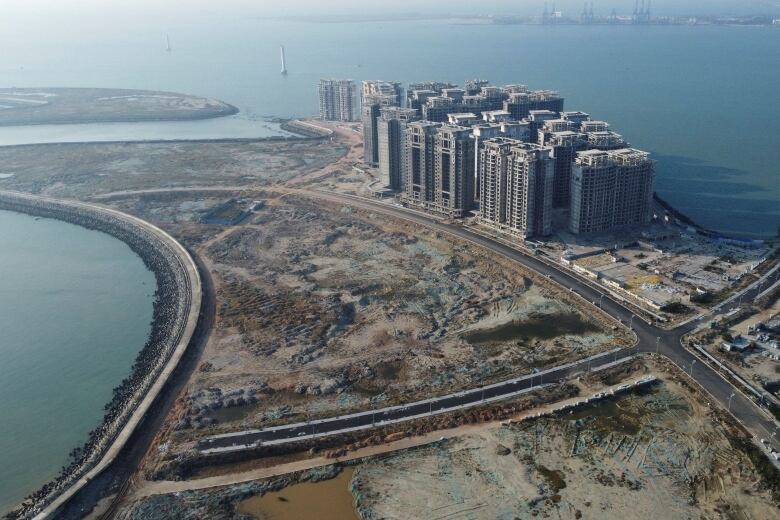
<point>601,300</point>
<point>631,323</point>
<point>692,363</point>
<point>730,397</point>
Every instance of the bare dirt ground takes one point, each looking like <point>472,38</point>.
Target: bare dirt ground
<point>662,449</point>
<point>325,310</point>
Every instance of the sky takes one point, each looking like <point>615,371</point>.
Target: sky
<point>90,8</point>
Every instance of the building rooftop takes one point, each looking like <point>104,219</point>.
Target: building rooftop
<point>593,158</point>
<point>496,115</point>
<point>463,118</point>
<point>594,126</point>
<point>542,115</point>
<point>629,156</point>
<point>575,115</point>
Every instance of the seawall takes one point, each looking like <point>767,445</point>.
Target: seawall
<point>176,311</point>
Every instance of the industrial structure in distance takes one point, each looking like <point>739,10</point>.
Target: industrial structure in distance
<point>510,154</point>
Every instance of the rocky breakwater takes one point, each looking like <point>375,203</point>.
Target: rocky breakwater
<point>176,309</point>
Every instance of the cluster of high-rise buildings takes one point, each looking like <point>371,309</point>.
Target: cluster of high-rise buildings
<point>510,153</point>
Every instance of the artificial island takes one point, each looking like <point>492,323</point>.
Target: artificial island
<point>466,301</point>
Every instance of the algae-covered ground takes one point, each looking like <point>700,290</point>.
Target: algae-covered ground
<point>37,106</point>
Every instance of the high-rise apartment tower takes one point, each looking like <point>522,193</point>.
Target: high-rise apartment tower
<point>390,138</point>
<point>337,99</point>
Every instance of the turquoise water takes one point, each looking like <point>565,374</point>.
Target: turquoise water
<point>75,308</point>
<point>702,99</point>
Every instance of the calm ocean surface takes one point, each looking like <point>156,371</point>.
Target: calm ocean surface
<point>75,308</point>
<point>702,99</point>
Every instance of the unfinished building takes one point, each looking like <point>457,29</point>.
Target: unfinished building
<point>565,146</point>
<point>516,187</point>
<point>520,104</point>
<point>537,119</point>
<point>517,144</point>
<point>418,162</point>
<point>611,189</point>
<point>592,192</point>
<point>593,126</point>
<point>337,100</point>
<point>382,88</point>
<point>439,168</point>
<point>634,187</point>
<point>479,96</point>
<point>418,93</point>
<point>390,136</point>
<point>370,112</point>
<point>474,86</point>
<point>605,140</point>
<point>453,171</point>
<point>375,95</point>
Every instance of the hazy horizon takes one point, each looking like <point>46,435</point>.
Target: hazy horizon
<point>81,8</point>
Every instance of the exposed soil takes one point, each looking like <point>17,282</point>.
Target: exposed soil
<point>325,310</point>
<point>659,451</point>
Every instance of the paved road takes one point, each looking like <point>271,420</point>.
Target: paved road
<point>650,339</point>
<point>394,414</point>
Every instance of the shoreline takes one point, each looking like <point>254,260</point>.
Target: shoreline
<point>82,105</point>
<point>705,231</point>
<point>176,311</point>
<point>301,133</point>
<point>232,110</point>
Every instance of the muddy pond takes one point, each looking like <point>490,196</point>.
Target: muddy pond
<point>539,326</point>
<point>325,500</point>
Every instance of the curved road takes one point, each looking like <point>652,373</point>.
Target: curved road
<point>650,339</point>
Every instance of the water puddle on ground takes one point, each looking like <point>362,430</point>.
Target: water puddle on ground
<point>233,413</point>
<point>542,326</point>
<point>325,500</point>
